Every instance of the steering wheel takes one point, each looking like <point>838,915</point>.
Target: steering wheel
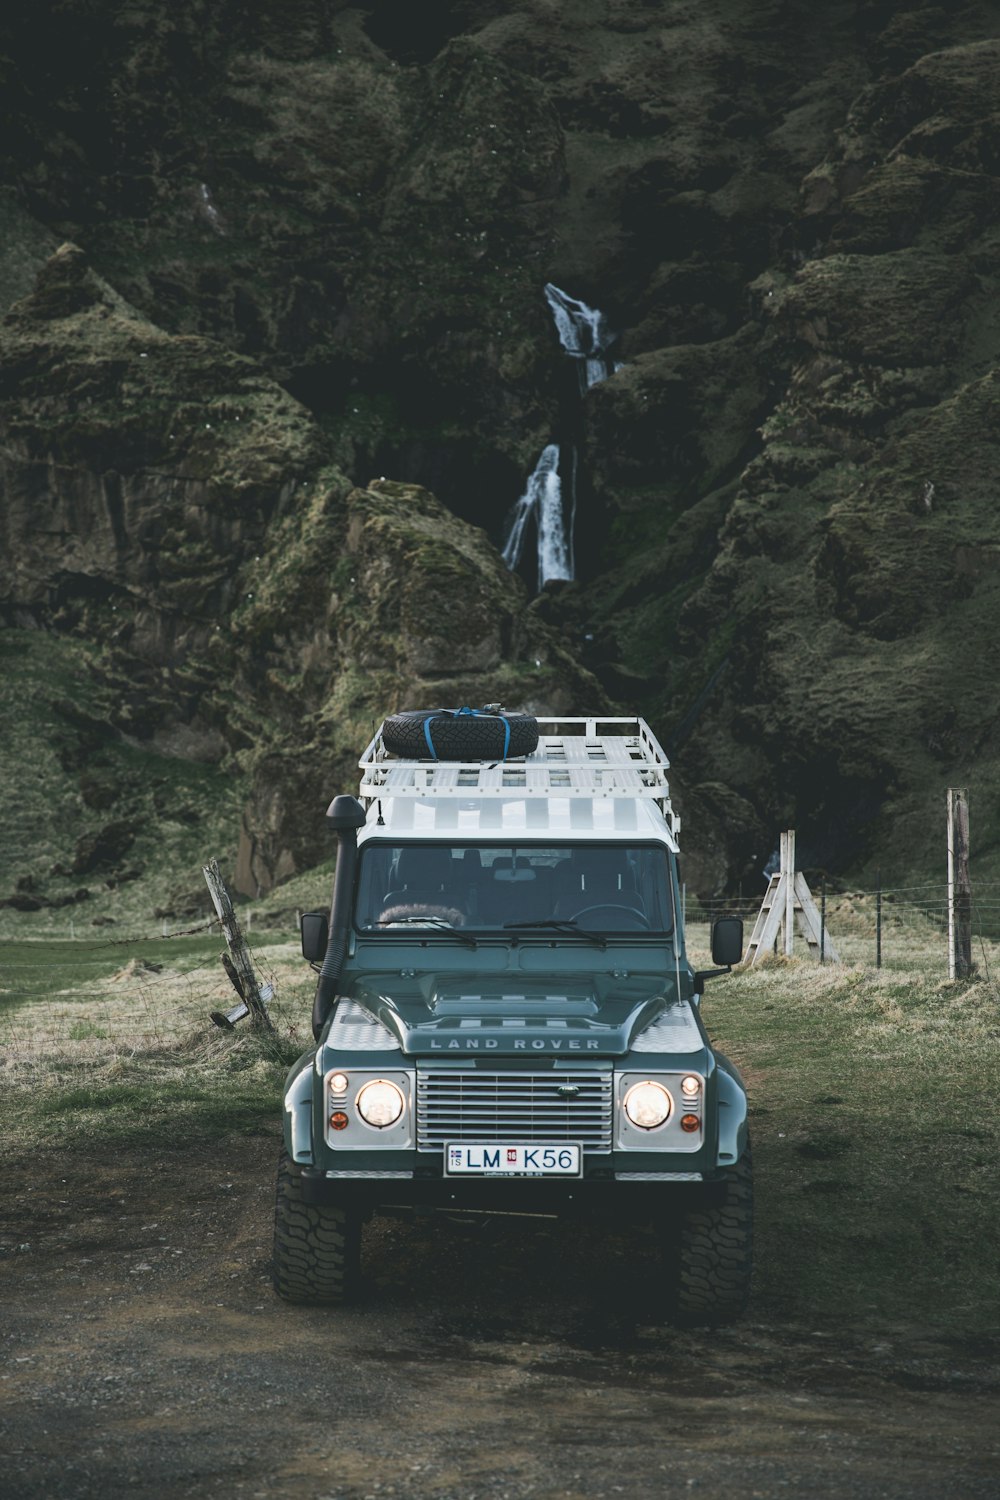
<point>638,918</point>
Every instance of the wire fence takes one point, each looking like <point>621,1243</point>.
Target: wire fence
<point>71,923</point>
<point>881,926</point>
<point>91,995</point>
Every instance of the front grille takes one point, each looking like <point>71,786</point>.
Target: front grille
<point>458,1106</point>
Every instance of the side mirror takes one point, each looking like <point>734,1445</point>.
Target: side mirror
<point>314,927</point>
<point>727,941</point>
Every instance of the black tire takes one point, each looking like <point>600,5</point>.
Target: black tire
<point>459,736</point>
<point>317,1247</point>
<point>713,1253</point>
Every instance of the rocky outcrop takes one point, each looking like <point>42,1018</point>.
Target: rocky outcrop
<point>140,469</point>
<point>171,505</point>
<point>355,612</point>
<point>857,554</point>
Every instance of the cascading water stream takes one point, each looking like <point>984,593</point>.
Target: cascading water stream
<point>514,544</point>
<point>542,499</point>
<point>584,333</point>
<point>586,337</point>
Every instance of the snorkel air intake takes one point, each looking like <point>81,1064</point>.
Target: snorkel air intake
<point>344,817</point>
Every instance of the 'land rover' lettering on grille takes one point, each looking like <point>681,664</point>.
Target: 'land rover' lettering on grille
<point>536,1044</point>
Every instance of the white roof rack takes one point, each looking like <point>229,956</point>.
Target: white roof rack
<point>592,757</point>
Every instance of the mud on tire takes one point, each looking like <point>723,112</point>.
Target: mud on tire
<point>459,736</point>
<point>317,1247</point>
<point>713,1253</point>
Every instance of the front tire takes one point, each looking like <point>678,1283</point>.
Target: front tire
<point>715,1253</point>
<point>317,1246</point>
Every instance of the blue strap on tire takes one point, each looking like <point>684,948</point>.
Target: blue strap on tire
<point>472,713</point>
<point>427,737</point>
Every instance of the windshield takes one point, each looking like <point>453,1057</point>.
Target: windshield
<point>608,888</point>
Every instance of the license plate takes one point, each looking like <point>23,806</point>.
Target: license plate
<point>512,1159</point>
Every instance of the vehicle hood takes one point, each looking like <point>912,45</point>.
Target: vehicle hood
<point>514,1016</point>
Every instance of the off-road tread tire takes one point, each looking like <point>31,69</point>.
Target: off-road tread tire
<point>715,1253</point>
<point>317,1247</point>
<point>465,737</point>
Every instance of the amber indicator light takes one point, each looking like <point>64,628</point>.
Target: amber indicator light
<point>338,1120</point>
<point>690,1123</point>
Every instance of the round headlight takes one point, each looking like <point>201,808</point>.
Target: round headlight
<point>380,1103</point>
<point>647,1105</point>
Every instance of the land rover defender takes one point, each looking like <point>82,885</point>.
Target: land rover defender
<point>507,1020</point>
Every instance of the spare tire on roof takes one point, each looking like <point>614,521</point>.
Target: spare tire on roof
<point>460,734</point>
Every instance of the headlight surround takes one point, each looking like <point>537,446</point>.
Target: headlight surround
<point>648,1105</point>
<point>380,1103</point>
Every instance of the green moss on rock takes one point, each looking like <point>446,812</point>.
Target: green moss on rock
<point>386,602</point>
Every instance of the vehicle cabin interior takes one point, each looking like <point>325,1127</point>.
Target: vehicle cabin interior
<point>602,887</point>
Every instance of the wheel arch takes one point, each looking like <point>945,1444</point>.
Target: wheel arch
<point>297,1115</point>
<point>733,1113</point>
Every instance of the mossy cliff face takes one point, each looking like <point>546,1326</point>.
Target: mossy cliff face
<point>140,469</point>
<point>367,198</point>
<point>361,609</point>
<point>815,493</point>
<point>293,189</point>
<point>178,511</point>
<point>141,475</point>
<point>327,232</point>
<point>141,472</point>
<point>857,560</point>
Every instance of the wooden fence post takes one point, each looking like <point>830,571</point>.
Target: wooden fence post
<point>788,869</point>
<point>959,886</point>
<point>788,903</point>
<point>239,953</point>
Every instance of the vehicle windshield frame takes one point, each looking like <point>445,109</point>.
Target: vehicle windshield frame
<point>660,891</point>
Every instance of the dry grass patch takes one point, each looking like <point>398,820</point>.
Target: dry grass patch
<point>133,1051</point>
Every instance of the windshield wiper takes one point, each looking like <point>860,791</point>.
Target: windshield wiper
<point>563,924</point>
<point>440,923</point>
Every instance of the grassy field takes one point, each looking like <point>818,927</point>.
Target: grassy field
<point>112,1040</point>
<point>875,1130</point>
<point>873,1097</point>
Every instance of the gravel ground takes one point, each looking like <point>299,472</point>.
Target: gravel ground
<point>144,1354</point>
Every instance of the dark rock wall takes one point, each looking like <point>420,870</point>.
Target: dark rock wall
<point>311,247</point>
<point>169,504</point>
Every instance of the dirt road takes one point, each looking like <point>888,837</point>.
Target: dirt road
<point>144,1354</point>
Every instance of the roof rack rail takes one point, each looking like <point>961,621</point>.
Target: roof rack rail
<point>593,757</point>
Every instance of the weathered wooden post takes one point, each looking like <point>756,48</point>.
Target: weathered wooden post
<point>788,902</point>
<point>878,917</point>
<point>242,971</point>
<point>788,869</point>
<point>959,886</point>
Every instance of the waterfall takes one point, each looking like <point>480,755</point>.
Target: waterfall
<point>211,212</point>
<point>586,336</point>
<point>542,499</point>
<point>514,545</point>
<point>553,548</point>
<point>584,333</point>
